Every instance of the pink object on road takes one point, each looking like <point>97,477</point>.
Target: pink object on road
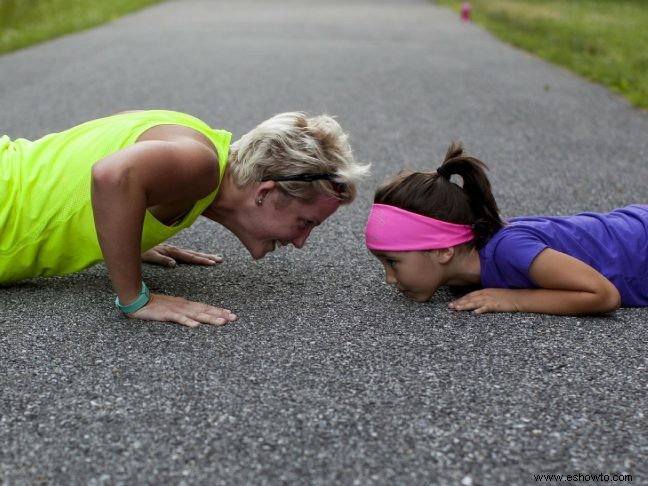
<point>465,12</point>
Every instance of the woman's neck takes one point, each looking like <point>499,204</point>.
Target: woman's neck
<point>228,204</point>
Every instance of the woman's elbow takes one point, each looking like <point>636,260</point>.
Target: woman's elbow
<point>105,178</point>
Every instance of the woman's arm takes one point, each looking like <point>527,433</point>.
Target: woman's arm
<point>124,184</point>
<point>567,287</point>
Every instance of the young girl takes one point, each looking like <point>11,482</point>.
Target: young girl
<point>428,231</point>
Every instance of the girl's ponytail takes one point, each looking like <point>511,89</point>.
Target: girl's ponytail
<point>477,187</point>
<point>433,194</point>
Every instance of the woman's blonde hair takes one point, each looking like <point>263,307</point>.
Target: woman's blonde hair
<point>293,145</point>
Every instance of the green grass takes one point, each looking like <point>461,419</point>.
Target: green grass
<point>27,22</point>
<point>605,41</point>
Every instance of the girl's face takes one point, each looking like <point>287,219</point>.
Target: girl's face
<point>417,274</point>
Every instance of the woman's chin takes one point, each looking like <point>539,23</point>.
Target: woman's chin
<point>258,253</point>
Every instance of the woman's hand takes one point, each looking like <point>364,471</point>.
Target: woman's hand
<point>170,256</point>
<point>182,311</point>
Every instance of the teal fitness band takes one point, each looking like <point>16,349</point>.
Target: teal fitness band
<point>142,299</point>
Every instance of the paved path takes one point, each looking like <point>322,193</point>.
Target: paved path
<point>329,377</point>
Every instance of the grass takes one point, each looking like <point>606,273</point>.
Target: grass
<point>27,22</point>
<point>605,41</point>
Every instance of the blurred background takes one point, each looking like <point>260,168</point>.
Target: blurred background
<point>603,40</point>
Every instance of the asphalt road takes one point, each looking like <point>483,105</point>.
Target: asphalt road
<point>329,376</point>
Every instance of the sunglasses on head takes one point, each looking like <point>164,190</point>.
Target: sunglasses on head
<point>338,187</point>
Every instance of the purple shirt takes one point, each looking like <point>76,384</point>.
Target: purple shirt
<point>615,244</point>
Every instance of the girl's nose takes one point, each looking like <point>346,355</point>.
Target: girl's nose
<point>390,278</point>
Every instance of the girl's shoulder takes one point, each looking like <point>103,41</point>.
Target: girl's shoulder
<point>517,237</point>
<point>506,258</point>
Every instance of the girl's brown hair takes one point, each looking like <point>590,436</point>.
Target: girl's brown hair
<point>434,195</point>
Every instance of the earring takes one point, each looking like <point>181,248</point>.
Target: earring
<point>259,201</point>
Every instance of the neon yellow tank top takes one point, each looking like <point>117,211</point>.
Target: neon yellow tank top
<point>46,221</point>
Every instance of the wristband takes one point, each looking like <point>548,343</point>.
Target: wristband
<point>142,299</point>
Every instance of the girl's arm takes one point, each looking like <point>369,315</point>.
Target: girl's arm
<point>124,184</point>
<point>567,287</point>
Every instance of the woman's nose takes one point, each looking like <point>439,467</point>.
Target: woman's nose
<point>300,241</point>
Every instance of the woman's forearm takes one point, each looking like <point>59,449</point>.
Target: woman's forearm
<point>119,205</point>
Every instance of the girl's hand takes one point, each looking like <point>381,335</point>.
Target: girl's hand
<point>487,300</point>
<point>182,311</point>
<point>170,256</point>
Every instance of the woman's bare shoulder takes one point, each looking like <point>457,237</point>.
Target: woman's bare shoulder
<point>170,133</point>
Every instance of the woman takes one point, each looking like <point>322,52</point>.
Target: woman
<point>113,189</point>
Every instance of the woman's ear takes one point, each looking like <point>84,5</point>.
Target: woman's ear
<point>262,190</point>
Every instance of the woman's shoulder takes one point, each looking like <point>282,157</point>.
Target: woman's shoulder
<point>162,115</point>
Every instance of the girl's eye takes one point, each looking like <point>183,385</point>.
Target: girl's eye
<point>391,263</point>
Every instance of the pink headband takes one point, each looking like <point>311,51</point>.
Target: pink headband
<point>393,229</point>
